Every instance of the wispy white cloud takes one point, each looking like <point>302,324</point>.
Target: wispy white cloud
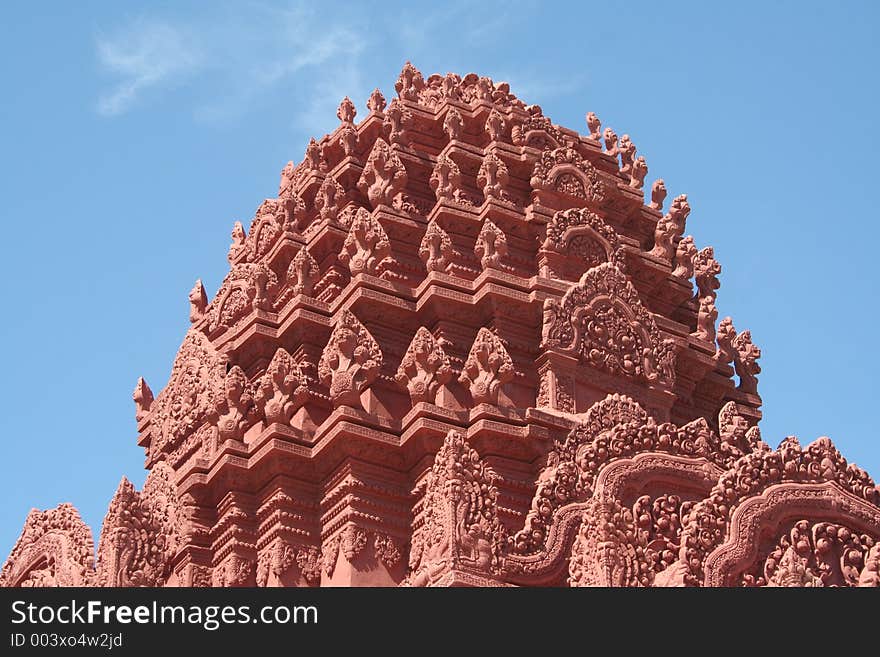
<point>233,59</point>
<point>143,55</point>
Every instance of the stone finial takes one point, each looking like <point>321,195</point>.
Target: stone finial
<point>726,334</point>
<point>238,238</point>
<point>487,368</point>
<point>329,199</point>
<point>450,86</point>
<point>453,124</point>
<point>397,117</point>
<point>495,125</point>
<point>315,156</point>
<point>491,245</point>
<point>346,111</point>
<point>436,248</point>
<point>706,316</point>
<point>384,177</point>
<point>445,179</point>
<point>409,82</point>
<point>679,212</point>
<point>285,186</point>
<point>685,253</point>
<point>595,126</point>
<point>143,399</point>
<point>627,155</point>
<point>706,271</point>
<point>493,177</point>
<point>366,246</point>
<point>610,138</point>
<point>658,194</point>
<point>424,368</point>
<point>746,362</point>
<point>639,171</point>
<point>198,301</point>
<point>348,137</point>
<point>281,389</point>
<point>376,102</point>
<point>350,361</point>
<point>664,235</point>
<point>733,430</point>
<point>302,273</point>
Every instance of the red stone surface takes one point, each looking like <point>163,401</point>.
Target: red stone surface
<point>465,346</point>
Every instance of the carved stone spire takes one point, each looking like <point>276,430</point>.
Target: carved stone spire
<point>198,301</point>
<point>365,246</point>
<point>446,179</point>
<point>436,248</point>
<point>487,368</point>
<point>346,111</point>
<point>350,362</point>
<point>302,273</point>
<point>384,176</point>
<point>409,82</point>
<point>143,399</point>
<point>491,245</point>
<point>424,368</point>
<point>493,177</point>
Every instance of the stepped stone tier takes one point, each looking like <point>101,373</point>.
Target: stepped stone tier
<point>465,346</point>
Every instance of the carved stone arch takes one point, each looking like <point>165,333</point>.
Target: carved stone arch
<point>578,240</point>
<point>248,286</point>
<point>770,513</point>
<point>55,549</point>
<point>601,321</point>
<point>268,225</point>
<point>563,175</point>
<point>537,132</point>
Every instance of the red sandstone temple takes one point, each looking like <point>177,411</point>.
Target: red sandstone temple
<point>460,348</point>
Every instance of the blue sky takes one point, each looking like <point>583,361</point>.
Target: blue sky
<point>134,134</point>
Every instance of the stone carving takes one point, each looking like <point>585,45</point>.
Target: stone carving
<point>286,185</point>
<point>445,180</point>
<point>436,248</point>
<point>329,199</point>
<point>577,240</point>
<point>275,559</point>
<point>346,112</point>
<point>409,83</point>
<point>685,253</point>
<point>183,406</point>
<point>491,246</point>
<point>352,542</point>
<point>348,137</point>
<point>746,362</point>
<point>639,171</point>
<point>594,125</point>
<point>460,528</point>
<point>611,147</point>
<point>143,399</point>
<point>424,368</point>
<point>453,124</point>
<point>233,572</point>
<point>281,389</point>
<point>604,552</point>
<point>495,125</point>
<point>397,117</point>
<point>198,301</point>
<point>387,550</point>
<point>706,270</point>
<point>664,234</point>
<point>384,176</point>
<point>376,102</point>
<point>350,362</point>
<point>248,286</point>
<point>315,157</point>
<point>140,535</point>
<point>366,246</point>
<point>487,368</point>
<point>302,273</point>
<point>658,194</point>
<point>602,320</point>
<point>627,151</point>
<point>55,549</point>
<point>238,239</point>
<point>233,406</point>
<point>493,178</point>
<point>537,132</point>
<point>563,170</point>
<point>706,316</point>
